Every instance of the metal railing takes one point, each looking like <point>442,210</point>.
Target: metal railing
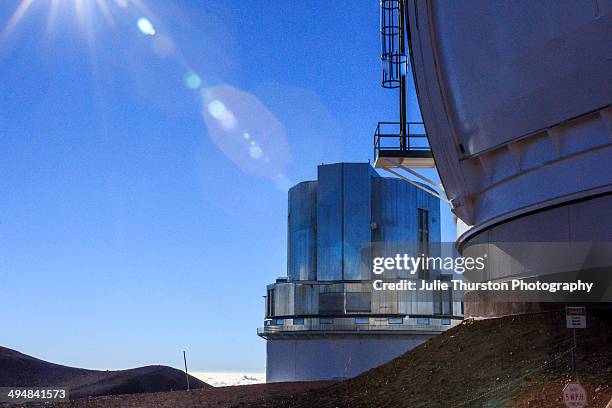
<point>313,328</point>
<point>388,137</point>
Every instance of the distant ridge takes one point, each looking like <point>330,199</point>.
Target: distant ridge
<point>21,370</point>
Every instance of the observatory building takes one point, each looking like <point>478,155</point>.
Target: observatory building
<point>516,103</point>
<point>324,320</point>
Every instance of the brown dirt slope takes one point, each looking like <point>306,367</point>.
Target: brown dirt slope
<point>514,361</point>
<point>217,397</point>
<point>21,370</point>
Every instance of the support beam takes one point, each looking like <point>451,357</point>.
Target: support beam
<point>414,183</point>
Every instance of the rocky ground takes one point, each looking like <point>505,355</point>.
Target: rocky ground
<point>514,361</point>
<point>234,396</point>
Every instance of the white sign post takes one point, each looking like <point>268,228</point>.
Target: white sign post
<point>575,318</point>
<point>574,396</point>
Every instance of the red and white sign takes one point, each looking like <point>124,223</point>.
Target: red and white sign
<point>574,396</point>
<point>575,317</point>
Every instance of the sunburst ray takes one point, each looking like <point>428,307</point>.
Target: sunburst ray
<point>16,17</point>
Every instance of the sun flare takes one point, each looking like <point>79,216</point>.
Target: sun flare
<point>84,12</point>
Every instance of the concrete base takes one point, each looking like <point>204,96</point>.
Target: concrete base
<point>333,357</point>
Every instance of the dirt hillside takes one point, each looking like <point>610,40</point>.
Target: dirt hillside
<point>514,361</point>
<point>217,397</point>
<point>21,370</point>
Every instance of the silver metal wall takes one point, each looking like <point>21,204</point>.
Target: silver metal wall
<point>333,358</point>
<point>350,214</point>
<point>357,209</point>
<point>394,219</point>
<point>516,100</point>
<point>343,221</point>
<point>336,225</point>
<point>569,242</point>
<point>329,222</point>
<point>325,299</point>
<point>302,232</point>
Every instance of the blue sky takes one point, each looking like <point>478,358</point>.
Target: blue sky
<point>143,177</point>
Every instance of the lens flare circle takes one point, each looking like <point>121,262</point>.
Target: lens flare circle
<point>217,109</point>
<point>145,26</point>
<point>192,80</point>
<point>255,152</point>
<point>247,132</point>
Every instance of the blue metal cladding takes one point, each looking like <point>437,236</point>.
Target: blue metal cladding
<point>302,232</point>
<point>395,217</point>
<point>431,204</point>
<point>357,210</point>
<point>329,222</point>
<point>338,223</point>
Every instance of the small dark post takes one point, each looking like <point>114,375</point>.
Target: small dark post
<point>574,356</point>
<point>186,374</point>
